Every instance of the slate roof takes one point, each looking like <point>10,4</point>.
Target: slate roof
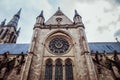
<point>109,47</point>
<point>14,48</point>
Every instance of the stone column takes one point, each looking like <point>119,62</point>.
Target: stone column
<point>53,73</point>
<point>63,70</point>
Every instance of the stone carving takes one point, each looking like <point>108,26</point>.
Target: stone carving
<point>103,61</point>
<point>4,60</point>
<point>21,61</point>
<point>9,64</point>
<point>116,61</point>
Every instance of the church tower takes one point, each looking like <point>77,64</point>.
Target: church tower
<point>9,32</point>
<point>59,50</point>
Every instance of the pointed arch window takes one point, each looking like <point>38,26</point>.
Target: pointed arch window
<point>48,70</point>
<point>69,70</point>
<point>58,70</point>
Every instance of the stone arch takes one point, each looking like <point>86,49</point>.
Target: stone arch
<point>59,31</point>
<point>49,59</point>
<point>59,34</point>
<point>59,59</point>
<point>69,59</point>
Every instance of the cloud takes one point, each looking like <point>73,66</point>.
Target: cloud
<point>99,16</point>
<point>30,10</point>
<point>102,29</point>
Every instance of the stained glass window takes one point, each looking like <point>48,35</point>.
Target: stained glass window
<point>58,70</point>
<point>59,45</point>
<point>48,70</point>
<point>68,70</point>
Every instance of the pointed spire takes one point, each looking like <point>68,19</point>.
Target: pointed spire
<point>41,14</point>
<point>14,21</point>
<point>40,19</point>
<point>3,22</point>
<point>18,13</point>
<point>76,13</point>
<point>77,18</point>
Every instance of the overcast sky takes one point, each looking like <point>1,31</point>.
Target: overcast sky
<point>100,17</point>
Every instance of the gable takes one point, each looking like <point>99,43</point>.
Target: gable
<point>58,18</point>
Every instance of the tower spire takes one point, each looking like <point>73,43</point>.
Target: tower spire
<point>14,21</point>
<point>40,19</point>
<point>3,22</point>
<point>77,18</point>
<point>76,13</point>
<point>18,13</point>
<point>41,14</point>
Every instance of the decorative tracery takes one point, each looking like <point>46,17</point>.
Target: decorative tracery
<point>58,45</point>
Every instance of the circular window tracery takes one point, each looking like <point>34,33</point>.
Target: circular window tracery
<point>58,45</point>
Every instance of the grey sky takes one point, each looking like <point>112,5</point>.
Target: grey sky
<point>100,17</point>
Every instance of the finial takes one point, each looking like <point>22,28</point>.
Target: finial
<point>3,22</point>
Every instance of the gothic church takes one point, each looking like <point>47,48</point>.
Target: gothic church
<point>58,51</point>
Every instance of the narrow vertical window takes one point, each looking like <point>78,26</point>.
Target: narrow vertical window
<point>3,36</point>
<point>1,31</point>
<point>14,39</point>
<point>68,70</point>
<point>48,70</point>
<point>58,70</point>
<point>11,37</point>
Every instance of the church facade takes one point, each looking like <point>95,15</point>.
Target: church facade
<point>59,50</point>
